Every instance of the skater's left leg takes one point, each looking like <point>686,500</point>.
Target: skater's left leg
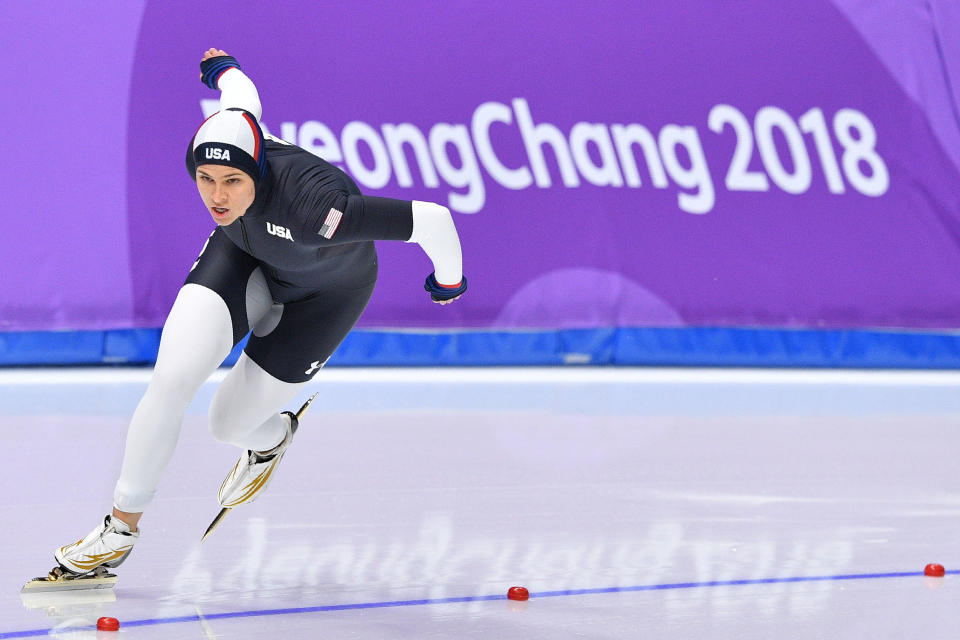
<point>246,412</point>
<point>246,408</point>
<point>287,348</point>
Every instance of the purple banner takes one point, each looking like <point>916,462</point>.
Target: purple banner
<point>790,164</point>
<point>64,255</point>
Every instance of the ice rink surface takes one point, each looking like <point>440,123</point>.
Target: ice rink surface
<point>632,503</point>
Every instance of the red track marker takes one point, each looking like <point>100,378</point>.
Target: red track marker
<point>518,593</point>
<point>108,624</point>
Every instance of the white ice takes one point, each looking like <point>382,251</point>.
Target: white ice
<point>413,499</point>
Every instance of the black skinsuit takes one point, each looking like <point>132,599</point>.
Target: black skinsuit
<point>311,233</point>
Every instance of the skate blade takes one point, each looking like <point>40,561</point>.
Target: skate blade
<point>302,410</point>
<point>65,583</point>
<point>216,522</point>
<point>306,405</point>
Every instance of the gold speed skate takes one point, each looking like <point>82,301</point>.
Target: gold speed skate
<point>85,563</point>
<point>60,580</point>
<point>253,471</point>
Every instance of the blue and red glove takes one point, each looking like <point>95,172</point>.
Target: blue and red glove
<point>439,292</point>
<point>212,68</point>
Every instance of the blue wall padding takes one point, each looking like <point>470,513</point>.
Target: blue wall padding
<point>701,346</point>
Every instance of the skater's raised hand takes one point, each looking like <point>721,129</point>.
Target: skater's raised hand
<point>213,53</point>
<point>213,64</point>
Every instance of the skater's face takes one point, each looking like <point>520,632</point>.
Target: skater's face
<point>227,192</point>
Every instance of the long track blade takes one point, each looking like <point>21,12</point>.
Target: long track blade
<point>302,410</point>
<point>215,523</point>
<point>306,405</point>
<point>45,585</point>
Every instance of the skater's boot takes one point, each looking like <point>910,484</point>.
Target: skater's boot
<point>252,473</point>
<point>106,546</point>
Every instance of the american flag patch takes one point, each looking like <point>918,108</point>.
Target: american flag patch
<point>330,224</point>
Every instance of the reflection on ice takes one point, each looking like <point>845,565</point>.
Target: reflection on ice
<point>442,562</point>
<point>68,603</point>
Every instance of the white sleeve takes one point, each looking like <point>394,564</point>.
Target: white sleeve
<point>434,231</point>
<point>239,92</point>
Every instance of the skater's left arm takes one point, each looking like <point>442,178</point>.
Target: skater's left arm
<point>434,231</point>
<point>354,218</point>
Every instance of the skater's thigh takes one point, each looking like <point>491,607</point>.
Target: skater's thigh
<point>236,278</point>
<point>306,333</point>
<point>224,289</point>
<point>248,397</point>
<point>198,327</point>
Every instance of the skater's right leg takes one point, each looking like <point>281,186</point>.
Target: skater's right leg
<point>225,291</point>
<point>196,338</point>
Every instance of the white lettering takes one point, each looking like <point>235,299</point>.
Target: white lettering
<point>739,176</point>
<point>534,137</point>
<point>634,134</point>
<point>768,119</point>
<point>607,173</point>
<point>458,155</point>
<point>467,175</point>
<point>353,134</point>
<point>317,138</point>
<point>861,148</point>
<point>216,153</point>
<point>280,232</point>
<point>288,132</point>
<point>697,176</point>
<point>398,135</point>
<point>487,113</point>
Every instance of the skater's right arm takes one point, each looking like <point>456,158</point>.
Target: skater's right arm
<point>218,70</point>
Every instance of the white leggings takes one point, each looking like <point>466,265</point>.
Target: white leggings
<point>196,338</point>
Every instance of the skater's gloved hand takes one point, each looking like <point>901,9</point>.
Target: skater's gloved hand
<point>213,64</point>
<point>443,293</point>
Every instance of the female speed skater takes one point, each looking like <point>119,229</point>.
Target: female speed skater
<point>292,260</point>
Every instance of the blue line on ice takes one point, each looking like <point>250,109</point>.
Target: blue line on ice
<point>413,603</point>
